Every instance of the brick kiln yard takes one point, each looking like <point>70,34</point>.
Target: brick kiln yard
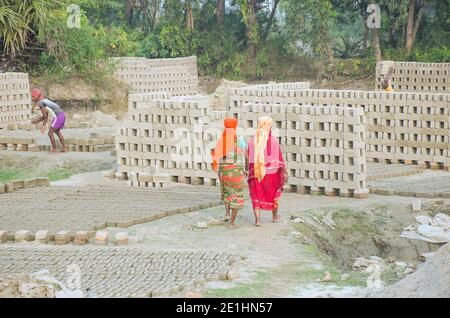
<point>167,255</point>
<point>153,227</point>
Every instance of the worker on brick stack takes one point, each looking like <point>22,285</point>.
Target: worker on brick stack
<point>386,81</point>
<point>50,109</point>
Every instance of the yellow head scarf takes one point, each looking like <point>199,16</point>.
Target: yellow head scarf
<point>261,137</point>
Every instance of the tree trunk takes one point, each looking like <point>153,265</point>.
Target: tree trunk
<point>376,45</point>
<point>189,16</point>
<point>145,16</point>
<point>252,27</point>
<point>272,15</point>
<point>154,12</point>
<point>220,14</point>
<point>329,52</point>
<point>413,23</point>
<point>129,9</point>
<point>410,26</point>
<point>376,42</point>
<point>419,18</point>
<point>366,34</point>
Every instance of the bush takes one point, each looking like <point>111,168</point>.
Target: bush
<point>116,41</point>
<point>168,42</point>
<point>431,55</point>
<point>77,49</point>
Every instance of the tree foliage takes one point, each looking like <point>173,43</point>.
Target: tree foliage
<point>236,38</point>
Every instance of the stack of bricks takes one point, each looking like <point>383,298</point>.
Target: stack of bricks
<point>19,144</point>
<point>169,140</point>
<point>164,141</point>
<point>268,94</point>
<point>15,100</point>
<point>94,143</point>
<point>324,147</point>
<point>177,76</point>
<point>23,184</point>
<point>415,77</point>
<point>402,127</point>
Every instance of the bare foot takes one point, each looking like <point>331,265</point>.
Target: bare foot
<point>232,226</point>
<point>276,219</point>
<point>53,152</point>
<point>258,224</point>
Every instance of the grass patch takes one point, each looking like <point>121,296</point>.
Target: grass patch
<point>17,168</point>
<point>60,174</point>
<point>8,175</point>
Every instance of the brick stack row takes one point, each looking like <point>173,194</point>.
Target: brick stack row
<point>15,100</point>
<point>177,76</point>
<point>415,76</point>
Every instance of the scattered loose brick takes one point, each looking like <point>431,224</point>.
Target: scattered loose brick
<point>42,236</point>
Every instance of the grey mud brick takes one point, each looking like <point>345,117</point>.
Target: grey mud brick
<point>23,235</point>
<point>62,237</point>
<point>101,238</point>
<point>3,237</point>
<point>81,237</point>
<point>9,187</point>
<point>121,238</point>
<point>42,236</point>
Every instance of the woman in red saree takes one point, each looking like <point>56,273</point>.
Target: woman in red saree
<point>267,170</point>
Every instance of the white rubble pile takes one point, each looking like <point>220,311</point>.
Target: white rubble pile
<point>375,265</point>
<point>36,285</point>
<point>433,230</point>
<point>430,280</point>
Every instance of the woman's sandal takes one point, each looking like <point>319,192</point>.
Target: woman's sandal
<point>258,224</point>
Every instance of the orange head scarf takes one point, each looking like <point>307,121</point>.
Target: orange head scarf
<point>225,143</point>
<point>261,137</point>
<point>37,93</point>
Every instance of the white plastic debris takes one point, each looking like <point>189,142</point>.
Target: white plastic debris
<point>401,266</point>
<point>408,271</point>
<point>425,257</point>
<point>422,219</point>
<point>202,225</point>
<point>374,279</point>
<point>436,230</point>
<point>61,291</point>
<point>298,220</point>
<point>328,220</point>
<point>416,205</point>
<point>360,262</point>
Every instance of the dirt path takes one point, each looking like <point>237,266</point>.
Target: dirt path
<point>277,263</point>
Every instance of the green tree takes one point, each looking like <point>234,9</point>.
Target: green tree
<point>311,22</point>
<point>24,21</point>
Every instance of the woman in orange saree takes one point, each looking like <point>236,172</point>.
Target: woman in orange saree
<point>228,159</point>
